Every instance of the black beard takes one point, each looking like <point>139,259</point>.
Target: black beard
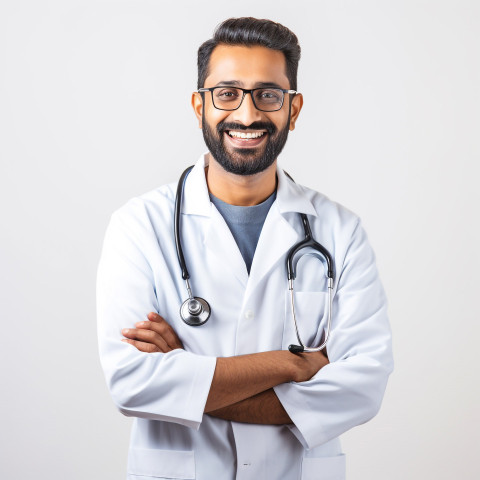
<point>245,161</point>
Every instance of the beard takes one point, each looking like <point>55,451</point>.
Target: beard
<point>245,161</point>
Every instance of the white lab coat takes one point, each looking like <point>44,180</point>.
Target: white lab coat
<point>166,393</point>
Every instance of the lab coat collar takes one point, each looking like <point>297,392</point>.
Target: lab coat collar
<point>291,196</point>
<point>196,201</point>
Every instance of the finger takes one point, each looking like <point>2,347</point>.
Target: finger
<point>163,328</point>
<point>155,317</point>
<point>148,336</point>
<point>142,346</point>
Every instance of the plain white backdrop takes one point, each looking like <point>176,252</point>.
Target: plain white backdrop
<point>95,109</point>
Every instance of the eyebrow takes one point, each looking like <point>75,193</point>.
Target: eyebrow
<point>237,83</point>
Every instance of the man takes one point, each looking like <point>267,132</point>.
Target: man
<point>227,399</point>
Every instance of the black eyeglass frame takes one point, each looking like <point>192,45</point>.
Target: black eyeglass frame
<point>245,91</point>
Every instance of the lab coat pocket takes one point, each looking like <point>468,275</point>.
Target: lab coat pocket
<point>324,468</point>
<point>149,462</point>
<point>311,315</point>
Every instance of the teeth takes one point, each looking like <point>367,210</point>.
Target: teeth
<point>245,135</point>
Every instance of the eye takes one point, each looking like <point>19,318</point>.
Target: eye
<point>226,94</point>
<point>269,95</point>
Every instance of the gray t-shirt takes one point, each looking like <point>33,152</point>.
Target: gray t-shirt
<point>245,223</point>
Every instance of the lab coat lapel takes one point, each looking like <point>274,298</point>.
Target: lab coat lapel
<point>281,229</point>
<point>276,238</point>
<point>218,238</point>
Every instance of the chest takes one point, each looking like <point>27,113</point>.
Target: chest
<point>249,313</point>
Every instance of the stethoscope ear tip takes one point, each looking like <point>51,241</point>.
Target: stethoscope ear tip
<point>296,348</point>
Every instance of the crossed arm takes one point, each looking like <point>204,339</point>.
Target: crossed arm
<point>242,386</point>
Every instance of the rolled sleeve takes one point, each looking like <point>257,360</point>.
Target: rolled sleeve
<point>171,387</point>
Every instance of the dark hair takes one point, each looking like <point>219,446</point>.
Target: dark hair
<point>249,31</point>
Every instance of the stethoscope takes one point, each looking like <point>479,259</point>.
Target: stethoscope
<point>195,311</point>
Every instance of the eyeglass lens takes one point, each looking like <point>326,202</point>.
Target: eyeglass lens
<point>266,99</point>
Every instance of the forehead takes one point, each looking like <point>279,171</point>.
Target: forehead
<point>247,65</point>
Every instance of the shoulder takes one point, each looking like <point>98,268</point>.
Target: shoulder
<point>335,216</point>
<point>341,231</point>
<point>143,220</point>
<point>149,207</point>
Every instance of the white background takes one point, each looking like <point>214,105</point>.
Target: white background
<point>95,109</point>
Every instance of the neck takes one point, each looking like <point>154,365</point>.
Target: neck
<point>242,190</point>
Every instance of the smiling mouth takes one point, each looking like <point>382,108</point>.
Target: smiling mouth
<point>245,135</point>
<point>242,139</point>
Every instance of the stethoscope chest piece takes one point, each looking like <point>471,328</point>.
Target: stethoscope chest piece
<point>195,311</point>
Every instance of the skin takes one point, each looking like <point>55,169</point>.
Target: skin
<point>242,386</point>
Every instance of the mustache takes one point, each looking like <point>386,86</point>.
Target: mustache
<point>269,127</point>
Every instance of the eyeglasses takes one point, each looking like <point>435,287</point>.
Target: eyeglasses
<point>264,99</point>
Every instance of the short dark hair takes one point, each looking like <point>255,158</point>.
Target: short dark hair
<point>249,32</point>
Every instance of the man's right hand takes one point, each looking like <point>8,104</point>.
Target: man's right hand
<point>308,364</point>
<point>152,336</point>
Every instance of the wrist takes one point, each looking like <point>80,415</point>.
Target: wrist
<point>295,367</point>
<point>290,366</point>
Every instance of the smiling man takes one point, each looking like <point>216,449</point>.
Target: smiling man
<point>210,380</point>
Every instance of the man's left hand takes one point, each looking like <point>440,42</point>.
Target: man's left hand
<point>155,335</point>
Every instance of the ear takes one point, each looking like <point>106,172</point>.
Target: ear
<point>197,105</point>
<point>297,104</point>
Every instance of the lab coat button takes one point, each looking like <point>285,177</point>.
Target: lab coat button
<point>249,315</point>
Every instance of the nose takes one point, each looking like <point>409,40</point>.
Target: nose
<point>247,113</point>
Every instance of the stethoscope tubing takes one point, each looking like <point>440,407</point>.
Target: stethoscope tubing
<point>195,311</point>
<point>302,347</point>
<point>176,226</point>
